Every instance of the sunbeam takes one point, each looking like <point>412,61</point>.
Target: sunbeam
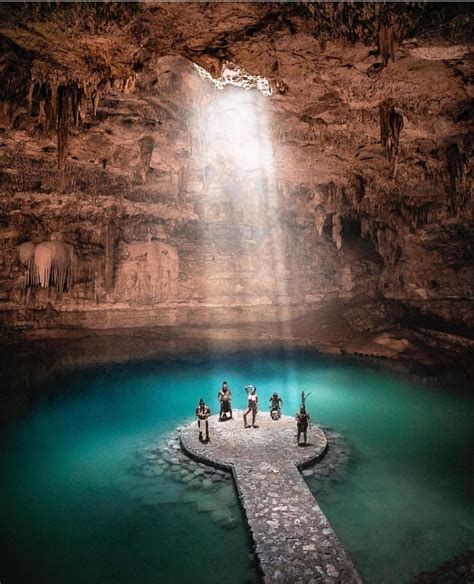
<point>233,144</point>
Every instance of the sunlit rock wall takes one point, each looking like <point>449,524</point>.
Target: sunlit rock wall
<point>113,151</point>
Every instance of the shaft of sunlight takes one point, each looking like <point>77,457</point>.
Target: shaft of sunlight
<point>232,144</point>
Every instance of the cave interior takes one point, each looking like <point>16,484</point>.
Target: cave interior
<point>218,175</point>
<point>302,170</point>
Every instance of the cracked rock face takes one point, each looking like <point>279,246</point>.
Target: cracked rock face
<point>183,205</point>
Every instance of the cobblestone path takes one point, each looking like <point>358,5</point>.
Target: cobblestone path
<point>293,539</point>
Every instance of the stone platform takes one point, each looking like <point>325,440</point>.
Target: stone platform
<point>293,539</point>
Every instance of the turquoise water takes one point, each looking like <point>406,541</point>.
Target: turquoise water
<point>68,512</point>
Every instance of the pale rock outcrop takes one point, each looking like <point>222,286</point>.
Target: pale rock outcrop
<point>50,263</point>
<point>148,273</point>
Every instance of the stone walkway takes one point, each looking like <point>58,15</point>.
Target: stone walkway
<point>293,539</point>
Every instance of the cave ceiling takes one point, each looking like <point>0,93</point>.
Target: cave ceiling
<point>370,127</point>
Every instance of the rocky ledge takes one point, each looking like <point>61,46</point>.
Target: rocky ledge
<point>459,570</point>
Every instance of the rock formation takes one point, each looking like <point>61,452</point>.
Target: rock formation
<point>148,273</point>
<point>50,263</point>
<point>362,195</point>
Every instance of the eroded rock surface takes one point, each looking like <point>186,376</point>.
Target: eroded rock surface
<point>350,185</point>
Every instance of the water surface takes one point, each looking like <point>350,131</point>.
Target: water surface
<point>68,513</point>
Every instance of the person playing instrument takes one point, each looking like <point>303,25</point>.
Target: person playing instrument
<point>202,413</point>
<point>225,397</point>
<point>252,405</point>
<point>275,404</point>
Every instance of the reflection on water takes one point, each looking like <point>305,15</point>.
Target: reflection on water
<point>72,509</point>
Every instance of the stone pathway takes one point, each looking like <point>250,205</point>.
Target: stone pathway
<point>293,539</point>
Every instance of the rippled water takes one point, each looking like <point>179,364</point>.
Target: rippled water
<point>68,488</point>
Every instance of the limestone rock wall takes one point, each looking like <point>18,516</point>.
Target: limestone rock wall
<point>148,273</point>
<point>120,151</point>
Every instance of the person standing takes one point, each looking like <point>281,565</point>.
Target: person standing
<point>225,397</point>
<point>252,404</point>
<point>202,413</point>
<point>302,422</point>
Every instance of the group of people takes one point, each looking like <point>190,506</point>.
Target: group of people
<point>224,396</point>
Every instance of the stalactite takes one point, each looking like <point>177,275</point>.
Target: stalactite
<point>457,169</point>
<point>29,99</point>
<point>364,226</point>
<point>323,41</point>
<point>51,263</point>
<point>417,216</point>
<point>110,238</point>
<point>55,264</point>
<point>26,252</point>
<point>387,245</point>
<point>42,115</point>
<point>76,106</point>
<point>320,220</point>
<point>386,43</point>
<point>336,232</point>
<point>53,107</point>
<point>146,145</point>
<point>58,104</point>
<point>95,98</point>
<point>391,124</point>
<point>64,114</point>
<point>359,187</point>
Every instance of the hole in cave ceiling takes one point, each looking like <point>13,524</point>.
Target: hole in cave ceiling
<point>232,74</point>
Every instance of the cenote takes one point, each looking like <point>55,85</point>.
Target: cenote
<point>70,510</point>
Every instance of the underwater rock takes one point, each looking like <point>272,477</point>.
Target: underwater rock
<point>152,499</point>
<point>458,570</point>
<point>331,469</point>
<point>338,478</point>
<point>208,504</point>
<point>150,472</point>
<point>191,497</point>
<point>206,484</point>
<point>229,524</point>
<point>193,484</point>
<point>220,515</point>
<point>226,495</point>
<point>142,491</point>
<point>198,481</point>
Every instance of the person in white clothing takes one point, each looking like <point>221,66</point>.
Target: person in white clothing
<point>252,405</point>
<point>202,413</point>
